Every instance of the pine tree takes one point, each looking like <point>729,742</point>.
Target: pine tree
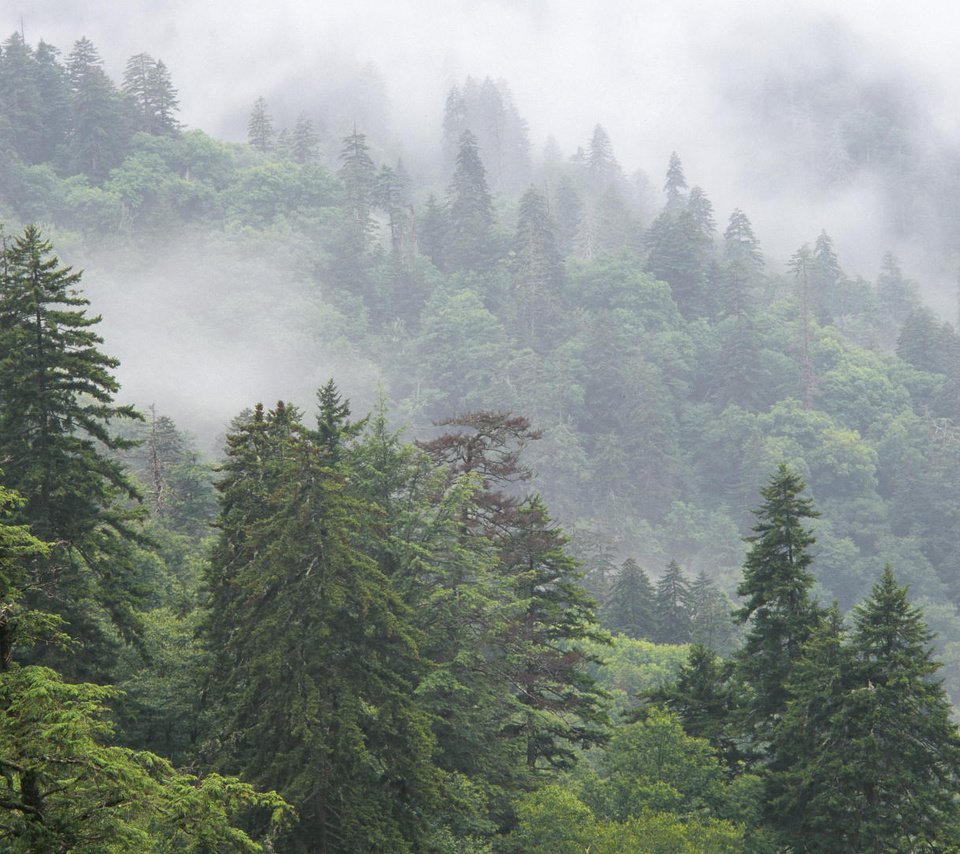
<point>868,758</point>
<point>260,132</point>
<point>672,606</point>
<point>675,184</point>
<point>801,265</point>
<point>164,100</point>
<point>630,607</point>
<point>826,277</point>
<point>743,263</point>
<point>56,411</point>
<point>602,166</point>
<point>98,136</point>
<point>432,232</point>
<point>470,211</point>
<point>359,176</point>
<point>313,695</point>
<point>560,705</point>
<point>304,140</point>
<point>776,585</point>
<point>537,269</point>
<point>705,699</point>
<point>710,609</point>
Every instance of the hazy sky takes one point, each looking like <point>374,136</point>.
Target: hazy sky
<point>656,75</point>
<point>659,76</point>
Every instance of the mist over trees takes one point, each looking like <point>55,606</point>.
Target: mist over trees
<point>611,531</point>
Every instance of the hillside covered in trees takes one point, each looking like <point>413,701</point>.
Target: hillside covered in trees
<point>609,533</point>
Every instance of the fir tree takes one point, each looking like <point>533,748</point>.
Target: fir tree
<point>867,757</point>
<point>776,585</point>
<point>313,696</point>
<point>630,605</point>
<point>56,411</point>
<point>260,132</point>
<point>359,176</point>
<point>675,184</point>
<point>97,133</point>
<point>672,606</point>
<point>537,269</point>
<point>470,210</point>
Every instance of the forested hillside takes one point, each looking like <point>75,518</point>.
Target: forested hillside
<point>487,589</point>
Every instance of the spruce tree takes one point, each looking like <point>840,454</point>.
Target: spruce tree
<point>776,586</point>
<point>359,176</point>
<point>672,606</point>
<point>867,757</point>
<point>630,607</point>
<point>675,184</point>
<point>470,211</point>
<point>98,132</point>
<point>537,270</point>
<point>56,413</point>
<point>260,131</point>
<point>313,695</point>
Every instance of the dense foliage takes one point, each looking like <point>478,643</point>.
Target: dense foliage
<point>393,645</point>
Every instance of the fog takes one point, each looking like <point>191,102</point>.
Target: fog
<point>728,85</point>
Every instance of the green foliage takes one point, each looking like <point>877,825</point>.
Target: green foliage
<point>776,585</point>
<point>314,696</point>
<point>64,789</point>
<point>56,405</point>
<point>867,756</point>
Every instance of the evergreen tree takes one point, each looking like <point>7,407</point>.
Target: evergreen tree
<point>897,294</point>
<point>560,705</point>
<point>802,267</point>
<point>147,86</point>
<point>743,263</point>
<point>454,124</point>
<point>776,585</point>
<point>630,607</point>
<point>470,211</point>
<point>359,176</point>
<point>675,184</point>
<point>602,166</point>
<point>710,620</point>
<point>56,409</point>
<point>672,606</point>
<point>163,99</point>
<point>826,276</point>
<point>432,232</point>
<point>98,136</point>
<point>391,196</point>
<point>313,696</point>
<point>304,140</point>
<point>705,699</point>
<point>867,757</point>
<point>537,269</point>
<point>260,132</point>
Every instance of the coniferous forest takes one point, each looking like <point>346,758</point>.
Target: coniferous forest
<point>559,516</point>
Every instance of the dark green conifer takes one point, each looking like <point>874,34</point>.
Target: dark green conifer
<point>672,606</point>
<point>56,413</point>
<point>776,586</point>
<point>630,607</point>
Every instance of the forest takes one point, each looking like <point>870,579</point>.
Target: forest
<point>555,515</point>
